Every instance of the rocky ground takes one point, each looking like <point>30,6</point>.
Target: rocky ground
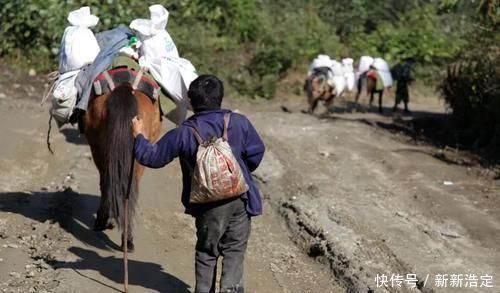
<point>347,198</point>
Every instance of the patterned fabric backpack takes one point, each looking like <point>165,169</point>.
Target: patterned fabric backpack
<point>217,174</point>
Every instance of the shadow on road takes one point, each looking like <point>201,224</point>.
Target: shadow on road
<point>73,136</point>
<point>74,212</point>
<point>145,274</point>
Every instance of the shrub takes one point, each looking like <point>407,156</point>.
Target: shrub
<point>260,40</point>
<point>472,90</point>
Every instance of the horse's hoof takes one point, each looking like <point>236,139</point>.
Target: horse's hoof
<point>100,225</point>
<point>130,246</point>
<point>111,224</point>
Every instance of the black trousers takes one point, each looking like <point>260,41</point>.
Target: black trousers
<point>222,230</point>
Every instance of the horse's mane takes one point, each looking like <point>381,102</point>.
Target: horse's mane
<point>121,108</point>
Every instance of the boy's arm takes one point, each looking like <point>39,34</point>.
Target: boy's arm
<point>254,148</point>
<point>159,154</point>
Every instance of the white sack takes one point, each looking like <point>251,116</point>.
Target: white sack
<point>384,71</point>
<point>348,70</point>
<point>174,75</point>
<point>156,41</point>
<point>364,64</point>
<point>340,84</point>
<point>380,64</point>
<point>347,66</point>
<point>337,68</point>
<point>63,97</point>
<point>350,81</point>
<point>386,78</point>
<point>79,46</point>
<point>320,61</point>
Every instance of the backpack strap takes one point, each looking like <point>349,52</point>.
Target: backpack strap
<point>227,118</point>
<point>196,135</point>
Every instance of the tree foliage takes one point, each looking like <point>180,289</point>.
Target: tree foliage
<point>252,44</point>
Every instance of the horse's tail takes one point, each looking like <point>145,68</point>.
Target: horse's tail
<point>121,108</point>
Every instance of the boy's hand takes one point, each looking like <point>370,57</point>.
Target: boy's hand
<point>137,126</point>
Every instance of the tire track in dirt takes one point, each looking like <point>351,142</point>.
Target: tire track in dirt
<point>367,204</point>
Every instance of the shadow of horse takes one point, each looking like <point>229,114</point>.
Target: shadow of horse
<point>73,136</point>
<point>60,207</point>
<point>145,274</point>
<point>74,213</point>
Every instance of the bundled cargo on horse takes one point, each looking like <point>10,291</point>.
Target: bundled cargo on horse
<point>339,80</point>
<point>79,47</point>
<point>83,56</point>
<point>384,71</point>
<point>160,56</point>
<point>348,69</point>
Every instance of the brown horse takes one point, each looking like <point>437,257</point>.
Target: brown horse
<point>371,90</point>
<point>107,127</point>
<point>317,89</point>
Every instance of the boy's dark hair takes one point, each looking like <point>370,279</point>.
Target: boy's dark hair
<point>206,93</point>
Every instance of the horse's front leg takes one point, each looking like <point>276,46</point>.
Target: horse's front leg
<point>329,104</point>
<point>313,103</point>
<point>359,88</point>
<point>371,99</point>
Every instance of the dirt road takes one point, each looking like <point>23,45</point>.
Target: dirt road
<point>344,201</point>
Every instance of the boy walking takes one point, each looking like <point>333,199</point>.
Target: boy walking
<point>223,226</point>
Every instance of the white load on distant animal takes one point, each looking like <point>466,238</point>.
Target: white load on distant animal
<point>384,71</point>
<point>321,60</point>
<point>338,78</point>
<point>160,56</point>
<point>79,46</point>
<point>364,65</point>
<point>348,70</point>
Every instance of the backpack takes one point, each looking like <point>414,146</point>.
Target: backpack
<point>217,174</point>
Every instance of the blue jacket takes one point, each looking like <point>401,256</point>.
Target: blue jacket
<point>180,142</point>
